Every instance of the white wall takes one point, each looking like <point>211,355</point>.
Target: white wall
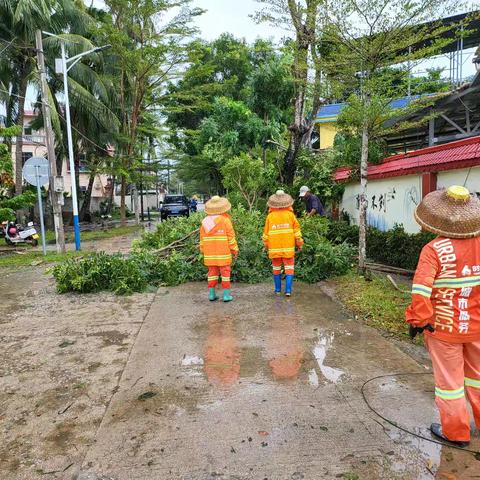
<point>390,201</point>
<point>458,177</point>
<point>149,200</point>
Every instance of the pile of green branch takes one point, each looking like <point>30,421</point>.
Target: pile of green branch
<point>170,256</point>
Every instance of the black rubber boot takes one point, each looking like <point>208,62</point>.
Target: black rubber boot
<point>436,429</point>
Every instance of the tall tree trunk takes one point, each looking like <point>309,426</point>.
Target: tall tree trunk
<point>19,140</point>
<point>136,203</point>
<point>362,240</point>
<point>123,193</point>
<point>290,160</point>
<point>304,41</point>
<point>85,210</point>
<point>112,197</point>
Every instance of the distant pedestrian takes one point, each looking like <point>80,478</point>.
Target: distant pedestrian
<point>446,307</point>
<point>281,235</point>
<point>313,206</point>
<point>192,204</point>
<point>218,244</point>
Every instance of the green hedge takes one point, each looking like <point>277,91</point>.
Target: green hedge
<point>394,247</point>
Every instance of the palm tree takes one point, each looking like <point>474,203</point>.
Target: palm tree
<point>20,20</point>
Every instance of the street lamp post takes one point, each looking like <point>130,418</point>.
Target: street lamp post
<point>63,67</point>
<point>76,222</point>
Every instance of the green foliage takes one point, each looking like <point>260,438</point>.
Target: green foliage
<point>247,178</point>
<point>100,272</point>
<point>148,266</point>
<point>340,232</point>
<point>347,150</point>
<point>10,205</point>
<point>319,258</point>
<point>394,247</point>
<point>271,89</point>
<point>316,171</point>
<point>233,99</point>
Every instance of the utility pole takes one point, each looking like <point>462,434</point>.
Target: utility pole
<point>55,181</point>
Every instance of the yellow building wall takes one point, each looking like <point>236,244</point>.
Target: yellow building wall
<point>327,134</point>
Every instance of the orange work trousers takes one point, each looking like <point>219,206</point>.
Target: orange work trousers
<point>215,272</point>
<point>456,368</point>
<point>288,265</point>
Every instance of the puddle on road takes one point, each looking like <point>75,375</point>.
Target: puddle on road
<point>222,353</point>
<point>285,347</point>
<point>323,344</point>
<point>313,378</point>
<point>273,344</point>
<point>191,360</point>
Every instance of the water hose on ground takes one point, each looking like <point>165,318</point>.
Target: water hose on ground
<point>403,429</point>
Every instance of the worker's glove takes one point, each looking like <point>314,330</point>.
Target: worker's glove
<point>414,331</point>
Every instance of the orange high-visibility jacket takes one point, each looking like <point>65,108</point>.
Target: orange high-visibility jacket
<point>217,240</point>
<point>281,233</point>
<point>446,290</point>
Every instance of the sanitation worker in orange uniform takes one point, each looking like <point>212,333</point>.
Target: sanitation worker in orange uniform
<point>218,244</point>
<point>280,236</point>
<point>446,306</point>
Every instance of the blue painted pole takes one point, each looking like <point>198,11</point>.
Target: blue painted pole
<point>76,229</point>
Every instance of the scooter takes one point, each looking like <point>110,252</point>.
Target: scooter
<point>15,234</point>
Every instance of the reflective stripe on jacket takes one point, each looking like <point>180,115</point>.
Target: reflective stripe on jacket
<point>217,240</point>
<point>281,233</point>
<point>446,289</point>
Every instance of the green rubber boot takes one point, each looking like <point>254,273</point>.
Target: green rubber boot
<point>226,295</point>
<point>212,296</point>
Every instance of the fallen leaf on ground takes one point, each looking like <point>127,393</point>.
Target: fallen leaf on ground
<point>146,395</point>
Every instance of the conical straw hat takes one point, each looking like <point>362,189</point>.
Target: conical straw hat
<point>451,213</point>
<point>217,205</point>
<point>280,200</point>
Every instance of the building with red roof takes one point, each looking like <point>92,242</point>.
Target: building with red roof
<point>397,185</point>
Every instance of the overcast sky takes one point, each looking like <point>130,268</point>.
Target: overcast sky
<point>232,16</point>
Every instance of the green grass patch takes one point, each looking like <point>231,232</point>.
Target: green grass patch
<point>33,259</point>
<point>376,302</point>
<point>97,234</point>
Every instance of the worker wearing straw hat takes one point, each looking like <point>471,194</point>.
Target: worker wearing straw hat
<point>280,236</point>
<point>218,244</point>
<point>446,306</point>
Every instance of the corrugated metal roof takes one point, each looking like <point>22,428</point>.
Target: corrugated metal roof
<point>330,112</point>
<point>451,156</point>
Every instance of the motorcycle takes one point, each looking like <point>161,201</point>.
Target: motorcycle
<point>15,234</point>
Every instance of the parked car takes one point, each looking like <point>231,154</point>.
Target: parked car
<point>174,206</point>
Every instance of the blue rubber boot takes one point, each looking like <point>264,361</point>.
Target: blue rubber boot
<point>277,279</point>
<point>226,295</point>
<point>288,285</point>
<point>212,296</point>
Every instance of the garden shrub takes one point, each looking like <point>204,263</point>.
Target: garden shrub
<point>395,247</point>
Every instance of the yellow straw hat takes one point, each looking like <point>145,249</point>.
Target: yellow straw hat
<point>217,205</point>
<point>280,199</point>
<point>451,213</point>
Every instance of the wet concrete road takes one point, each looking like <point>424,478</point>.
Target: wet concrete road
<point>265,388</point>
